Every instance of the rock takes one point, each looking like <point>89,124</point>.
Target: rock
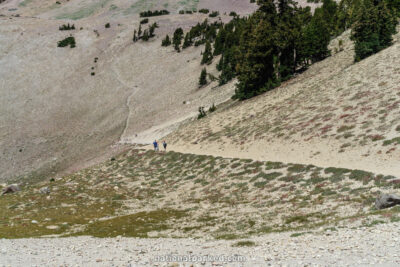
<point>44,190</point>
<point>34,222</point>
<point>52,227</point>
<point>386,201</point>
<point>10,189</point>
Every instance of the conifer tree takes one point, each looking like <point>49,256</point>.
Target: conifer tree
<point>203,77</point>
<point>140,31</point>
<point>151,31</point>
<point>177,39</point>
<point>373,29</point>
<point>134,36</point>
<point>166,41</point>
<point>315,38</point>
<point>207,54</point>
<point>256,73</point>
<point>219,42</point>
<point>187,41</point>
<point>146,35</point>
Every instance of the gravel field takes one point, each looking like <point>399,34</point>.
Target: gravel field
<point>377,246</point>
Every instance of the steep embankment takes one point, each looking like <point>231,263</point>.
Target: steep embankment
<point>335,114</point>
<point>56,115</point>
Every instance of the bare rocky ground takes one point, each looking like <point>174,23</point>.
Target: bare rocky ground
<point>373,246</point>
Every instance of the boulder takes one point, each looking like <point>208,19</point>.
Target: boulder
<point>44,190</point>
<point>386,201</point>
<point>12,188</point>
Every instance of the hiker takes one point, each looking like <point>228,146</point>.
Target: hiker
<point>164,145</point>
<point>155,144</point>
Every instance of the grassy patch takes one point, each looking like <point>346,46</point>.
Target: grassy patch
<point>134,225</point>
<point>246,243</point>
<point>84,11</point>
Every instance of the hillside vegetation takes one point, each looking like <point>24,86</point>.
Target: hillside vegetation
<point>141,193</point>
<point>336,113</point>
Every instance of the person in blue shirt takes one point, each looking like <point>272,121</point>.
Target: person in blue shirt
<point>155,144</point>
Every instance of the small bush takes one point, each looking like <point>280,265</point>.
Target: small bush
<point>66,27</point>
<point>212,108</point>
<point>107,25</point>
<point>246,243</point>
<point>204,11</point>
<point>67,41</point>
<point>214,14</point>
<point>202,113</point>
<point>144,21</point>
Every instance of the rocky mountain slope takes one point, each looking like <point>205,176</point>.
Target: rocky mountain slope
<point>335,114</point>
<point>63,108</point>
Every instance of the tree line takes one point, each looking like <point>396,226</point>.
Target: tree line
<point>281,39</point>
<point>154,13</point>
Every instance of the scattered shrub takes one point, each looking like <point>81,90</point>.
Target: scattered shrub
<point>212,108</point>
<point>144,21</point>
<point>66,27</point>
<point>202,113</point>
<point>213,14</point>
<point>67,41</point>
<point>204,11</point>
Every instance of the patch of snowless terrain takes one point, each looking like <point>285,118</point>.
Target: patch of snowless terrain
<point>54,114</point>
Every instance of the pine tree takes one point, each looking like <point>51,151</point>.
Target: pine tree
<point>140,31</point>
<point>207,54</point>
<point>151,31</point>
<point>373,29</point>
<point>134,36</point>
<point>146,35</point>
<point>256,68</point>
<point>315,37</point>
<point>177,39</point>
<point>387,22</point>
<point>187,41</point>
<point>203,77</point>
<point>166,41</point>
<point>219,42</point>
